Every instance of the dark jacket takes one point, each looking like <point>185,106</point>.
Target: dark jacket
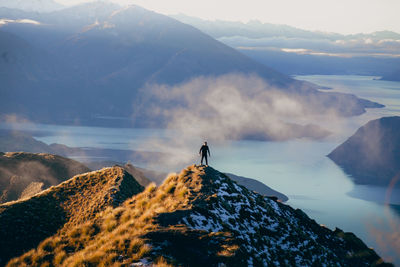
<point>204,149</point>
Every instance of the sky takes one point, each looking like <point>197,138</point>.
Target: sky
<point>341,16</point>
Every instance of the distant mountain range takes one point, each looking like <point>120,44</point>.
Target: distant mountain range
<point>11,141</point>
<point>82,64</point>
<point>296,51</point>
<point>256,29</point>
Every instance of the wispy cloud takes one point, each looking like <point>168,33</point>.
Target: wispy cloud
<point>225,108</point>
<point>346,47</point>
<point>23,21</point>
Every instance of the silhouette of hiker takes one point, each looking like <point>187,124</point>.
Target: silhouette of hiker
<point>203,152</point>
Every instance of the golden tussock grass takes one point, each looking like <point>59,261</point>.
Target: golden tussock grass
<point>114,236</point>
<point>161,262</point>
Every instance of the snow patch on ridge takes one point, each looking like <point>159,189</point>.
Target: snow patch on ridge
<point>263,230</point>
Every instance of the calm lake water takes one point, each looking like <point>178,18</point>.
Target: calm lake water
<point>299,168</point>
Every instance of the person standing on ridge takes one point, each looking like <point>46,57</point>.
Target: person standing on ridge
<point>203,152</point>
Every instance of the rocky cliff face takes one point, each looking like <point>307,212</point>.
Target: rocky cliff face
<point>200,217</point>
<point>25,223</point>
<point>372,154</point>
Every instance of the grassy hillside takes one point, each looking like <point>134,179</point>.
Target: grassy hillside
<point>199,218</point>
<point>24,174</point>
<point>25,223</point>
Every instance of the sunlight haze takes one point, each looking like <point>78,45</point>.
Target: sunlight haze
<point>339,16</point>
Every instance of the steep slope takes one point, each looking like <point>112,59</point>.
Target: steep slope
<point>138,174</point>
<point>26,223</point>
<point>141,175</point>
<point>201,218</point>
<point>257,186</point>
<point>24,174</point>
<point>20,61</point>
<point>372,154</point>
<point>393,76</point>
<point>102,55</point>
<point>26,72</point>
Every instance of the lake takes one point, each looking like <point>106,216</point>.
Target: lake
<point>298,168</point>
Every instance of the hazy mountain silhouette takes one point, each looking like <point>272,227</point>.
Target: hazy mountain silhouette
<point>394,76</point>
<point>198,217</point>
<point>292,50</point>
<point>91,60</point>
<point>24,174</point>
<point>372,154</point>
<point>256,29</point>
<point>22,141</point>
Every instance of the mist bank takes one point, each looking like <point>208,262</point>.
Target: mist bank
<point>12,140</point>
<point>238,107</point>
<point>92,65</point>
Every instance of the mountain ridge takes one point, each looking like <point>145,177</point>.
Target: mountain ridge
<point>258,29</point>
<point>25,223</point>
<point>198,217</point>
